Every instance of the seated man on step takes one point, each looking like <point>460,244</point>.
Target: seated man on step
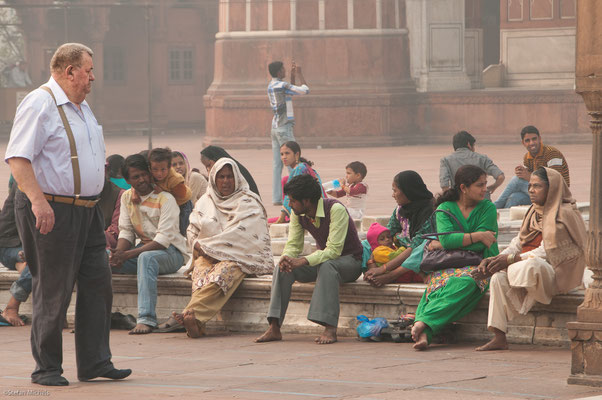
<point>337,260</point>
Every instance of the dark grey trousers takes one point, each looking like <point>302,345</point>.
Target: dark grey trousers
<point>324,306</point>
<point>74,251</point>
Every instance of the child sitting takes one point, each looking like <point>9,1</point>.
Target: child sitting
<point>354,189</point>
<point>383,251</point>
<point>166,179</point>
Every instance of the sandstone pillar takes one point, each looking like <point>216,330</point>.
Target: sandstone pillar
<point>354,57</point>
<point>437,44</point>
<point>586,333</point>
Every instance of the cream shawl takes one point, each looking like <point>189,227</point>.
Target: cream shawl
<point>564,234</point>
<point>232,228</point>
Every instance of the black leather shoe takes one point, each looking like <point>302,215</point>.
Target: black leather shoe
<point>112,374</point>
<point>56,380</point>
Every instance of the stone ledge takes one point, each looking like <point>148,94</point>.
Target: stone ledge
<point>246,311</point>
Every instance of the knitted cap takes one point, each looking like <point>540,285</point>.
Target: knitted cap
<point>373,232</point>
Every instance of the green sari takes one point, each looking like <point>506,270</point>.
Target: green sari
<point>453,293</point>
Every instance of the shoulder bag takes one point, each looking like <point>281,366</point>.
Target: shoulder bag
<point>436,260</point>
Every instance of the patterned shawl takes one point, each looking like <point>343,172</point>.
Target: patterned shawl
<point>232,228</point>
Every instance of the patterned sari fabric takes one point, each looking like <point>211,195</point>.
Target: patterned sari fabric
<point>231,230</point>
<point>206,271</point>
<point>438,279</point>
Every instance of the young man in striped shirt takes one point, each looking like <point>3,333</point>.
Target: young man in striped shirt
<point>538,155</point>
<point>280,94</point>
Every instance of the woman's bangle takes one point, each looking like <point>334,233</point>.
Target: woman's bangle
<point>510,259</point>
<point>470,234</point>
<point>385,267</point>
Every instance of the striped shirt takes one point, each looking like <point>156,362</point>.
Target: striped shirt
<point>156,218</point>
<point>280,94</point>
<point>550,157</point>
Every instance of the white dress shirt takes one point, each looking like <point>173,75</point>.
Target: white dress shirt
<point>38,134</point>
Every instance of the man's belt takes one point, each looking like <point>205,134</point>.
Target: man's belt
<point>72,200</point>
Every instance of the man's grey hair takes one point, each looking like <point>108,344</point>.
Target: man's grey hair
<point>69,54</point>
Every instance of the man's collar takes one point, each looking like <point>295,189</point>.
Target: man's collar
<point>539,153</point>
<point>463,149</point>
<point>59,93</point>
<point>319,210</point>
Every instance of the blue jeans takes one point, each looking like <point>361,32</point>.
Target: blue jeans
<point>515,194</point>
<point>9,256</point>
<point>147,266</point>
<point>280,135</point>
<point>21,288</point>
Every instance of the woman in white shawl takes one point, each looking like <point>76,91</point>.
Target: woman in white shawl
<point>229,237</point>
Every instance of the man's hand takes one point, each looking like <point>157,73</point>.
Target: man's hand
<point>288,264</point>
<point>491,188</point>
<point>117,258</point>
<point>44,216</point>
<point>522,172</point>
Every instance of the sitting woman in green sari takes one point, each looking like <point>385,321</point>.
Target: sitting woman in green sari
<point>453,293</point>
<point>290,153</point>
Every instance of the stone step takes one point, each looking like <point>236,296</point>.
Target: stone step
<point>246,311</point>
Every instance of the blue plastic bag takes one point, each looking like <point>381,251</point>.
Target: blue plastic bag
<point>370,327</point>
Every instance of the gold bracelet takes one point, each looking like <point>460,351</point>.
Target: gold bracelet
<point>470,234</point>
<point>510,259</point>
<point>385,267</point>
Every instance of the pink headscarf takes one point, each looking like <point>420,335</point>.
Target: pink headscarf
<point>373,232</point>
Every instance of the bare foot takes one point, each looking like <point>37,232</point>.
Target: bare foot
<point>422,343</point>
<point>12,316</point>
<point>497,343</point>
<point>178,317</point>
<point>190,323</point>
<point>273,334</point>
<point>419,336</point>
<point>329,335</point>
<point>141,329</point>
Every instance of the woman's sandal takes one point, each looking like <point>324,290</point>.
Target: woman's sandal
<point>169,326</point>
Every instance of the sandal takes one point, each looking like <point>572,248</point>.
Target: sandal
<point>171,325</point>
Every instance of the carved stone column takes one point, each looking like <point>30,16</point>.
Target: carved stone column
<point>586,333</point>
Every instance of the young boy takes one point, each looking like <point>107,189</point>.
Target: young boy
<point>354,189</point>
<point>166,179</point>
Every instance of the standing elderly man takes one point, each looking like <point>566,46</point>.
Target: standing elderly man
<point>56,154</point>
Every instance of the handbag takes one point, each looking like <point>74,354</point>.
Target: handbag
<point>439,259</point>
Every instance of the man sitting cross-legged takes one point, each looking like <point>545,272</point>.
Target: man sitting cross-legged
<point>162,250</point>
<point>337,261</point>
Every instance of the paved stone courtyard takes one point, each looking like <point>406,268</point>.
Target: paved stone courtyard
<point>233,367</point>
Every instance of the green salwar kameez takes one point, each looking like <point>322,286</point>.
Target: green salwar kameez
<point>453,293</point>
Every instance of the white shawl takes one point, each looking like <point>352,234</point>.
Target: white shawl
<point>232,228</point>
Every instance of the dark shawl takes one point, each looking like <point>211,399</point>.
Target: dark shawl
<point>421,204</point>
<point>215,153</point>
